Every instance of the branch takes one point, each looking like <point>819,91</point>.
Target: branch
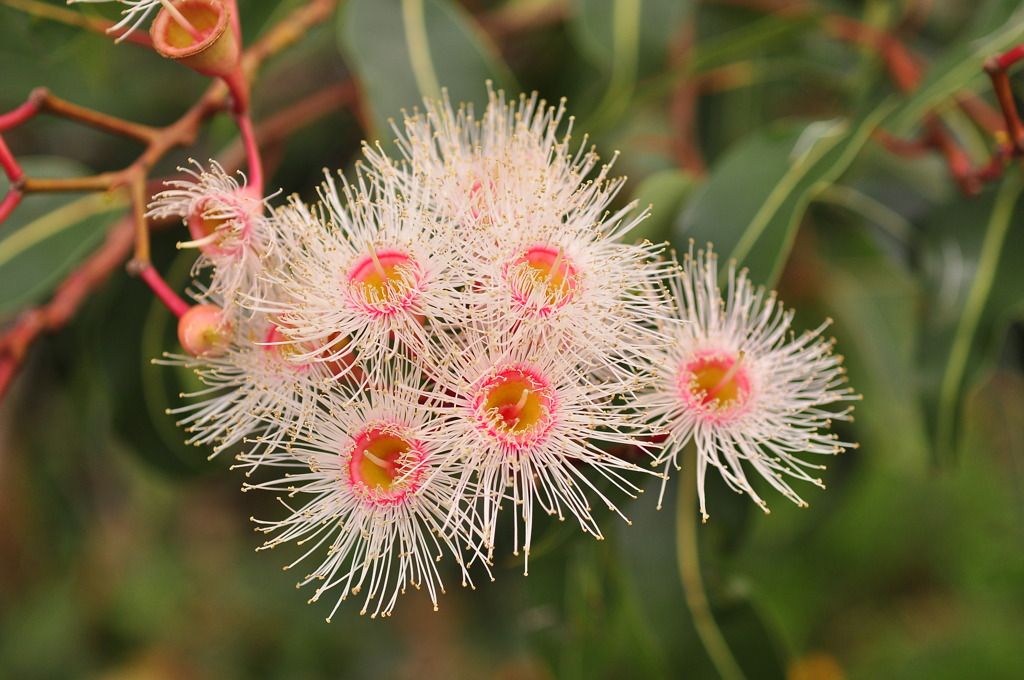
<point>684,107</point>
<point>132,230</point>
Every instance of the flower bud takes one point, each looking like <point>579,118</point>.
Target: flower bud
<point>204,331</point>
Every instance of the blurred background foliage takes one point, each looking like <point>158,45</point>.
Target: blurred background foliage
<point>747,123</point>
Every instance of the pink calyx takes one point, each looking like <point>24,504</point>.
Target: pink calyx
<point>198,34</point>
<point>282,350</point>
<point>219,226</point>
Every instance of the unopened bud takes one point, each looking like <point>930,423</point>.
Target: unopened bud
<point>204,331</point>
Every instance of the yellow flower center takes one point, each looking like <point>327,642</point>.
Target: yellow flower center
<point>715,382</point>
<point>543,277</point>
<point>381,460</point>
<point>515,406</point>
<point>384,282</point>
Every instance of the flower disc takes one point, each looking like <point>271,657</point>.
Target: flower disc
<point>515,406</point>
<point>382,462</point>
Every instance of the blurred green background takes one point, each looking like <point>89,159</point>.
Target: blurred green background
<point>125,554</point>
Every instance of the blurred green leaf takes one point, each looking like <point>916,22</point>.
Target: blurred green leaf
<point>627,39</point>
<point>752,203</point>
<point>48,235</point>
<point>752,634</point>
<point>405,50</point>
<point>975,287</point>
<point>665,192</point>
<point>875,303</point>
<point>637,32</point>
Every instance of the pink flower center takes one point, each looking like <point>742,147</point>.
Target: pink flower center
<point>543,279</point>
<point>385,282</point>
<point>515,406</point>
<point>715,383</point>
<point>281,350</point>
<point>213,225</point>
<point>382,463</point>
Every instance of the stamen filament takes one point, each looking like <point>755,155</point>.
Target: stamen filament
<point>377,265</point>
<point>200,242</point>
<point>555,265</point>
<point>379,462</point>
<point>522,401</point>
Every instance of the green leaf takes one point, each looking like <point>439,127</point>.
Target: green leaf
<point>875,303</point>
<point>640,32</point>
<point>665,192</point>
<point>405,50</point>
<point>48,235</point>
<point>752,203</point>
<point>141,391</point>
<point>628,39</point>
<point>975,287</point>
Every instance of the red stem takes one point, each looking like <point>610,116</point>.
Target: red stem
<point>252,153</point>
<point>1010,57</point>
<point>238,85</point>
<point>21,114</point>
<point>10,202</point>
<point>167,296</point>
<point>996,68</point>
<point>956,159</point>
<point>9,164</point>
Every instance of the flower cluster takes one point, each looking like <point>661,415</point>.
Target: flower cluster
<point>465,336</point>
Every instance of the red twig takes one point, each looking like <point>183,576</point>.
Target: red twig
<point>10,202</point>
<point>909,148</point>
<point>48,103</point>
<point>160,288</point>
<point>24,112</point>
<point>996,66</point>
<point>1009,57</point>
<point>10,166</point>
<point>684,109</point>
<point>15,342</point>
<point>904,66</point>
<point>986,117</point>
<point>960,168</point>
